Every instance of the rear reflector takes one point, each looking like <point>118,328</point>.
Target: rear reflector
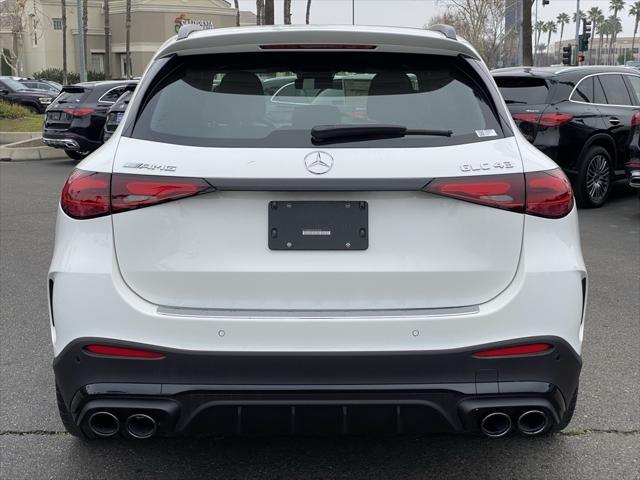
<point>544,194</point>
<point>518,350</point>
<point>317,46</point>
<point>545,119</point>
<point>95,194</point>
<point>121,352</point>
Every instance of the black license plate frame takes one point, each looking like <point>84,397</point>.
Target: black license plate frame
<point>318,225</point>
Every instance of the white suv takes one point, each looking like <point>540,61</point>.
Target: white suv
<point>395,257</point>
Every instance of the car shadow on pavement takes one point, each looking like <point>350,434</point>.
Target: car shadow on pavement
<point>445,456</point>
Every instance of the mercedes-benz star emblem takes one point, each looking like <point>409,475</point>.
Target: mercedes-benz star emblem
<point>318,162</point>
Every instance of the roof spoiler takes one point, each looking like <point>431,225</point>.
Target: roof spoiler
<point>447,30</point>
<point>73,89</point>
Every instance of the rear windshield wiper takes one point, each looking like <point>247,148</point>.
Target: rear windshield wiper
<point>326,133</point>
<point>508,102</point>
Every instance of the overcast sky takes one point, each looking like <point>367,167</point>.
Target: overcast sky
<point>415,13</point>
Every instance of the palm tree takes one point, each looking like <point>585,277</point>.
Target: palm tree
<point>603,28</point>
<point>236,5</point>
<point>127,47</point>
<point>287,12</point>
<point>634,11</point>
<point>308,10</point>
<point>562,20</point>
<point>595,15</point>
<point>107,42</point>
<point>269,13</point>
<point>615,6</point>
<point>551,28</point>
<point>259,12</point>
<point>582,16</point>
<point>85,29</point>
<point>538,28</point>
<point>64,41</point>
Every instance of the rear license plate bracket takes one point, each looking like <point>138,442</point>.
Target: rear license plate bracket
<point>318,225</point>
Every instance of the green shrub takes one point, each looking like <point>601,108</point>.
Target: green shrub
<point>12,110</point>
<point>56,75</point>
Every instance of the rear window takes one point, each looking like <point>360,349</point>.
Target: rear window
<point>523,90</point>
<point>74,95</point>
<point>275,99</point>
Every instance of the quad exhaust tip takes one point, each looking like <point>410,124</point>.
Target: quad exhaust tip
<point>104,424</point>
<point>141,426</point>
<point>496,424</point>
<point>533,422</point>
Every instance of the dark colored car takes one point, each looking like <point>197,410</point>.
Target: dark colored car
<point>581,117</point>
<point>76,118</point>
<point>52,87</point>
<point>115,114</point>
<point>633,165</point>
<point>34,100</point>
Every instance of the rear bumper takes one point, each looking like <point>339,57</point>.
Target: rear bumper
<point>190,392</point>
<point>68,140</point>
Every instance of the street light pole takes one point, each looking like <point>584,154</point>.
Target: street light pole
<point>535,47</point>
<point>353,12</point>
<point>82,66</point>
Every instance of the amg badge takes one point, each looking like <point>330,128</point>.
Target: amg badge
<point>150,166</point>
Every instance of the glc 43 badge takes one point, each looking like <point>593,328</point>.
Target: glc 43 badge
<point>476,167</point>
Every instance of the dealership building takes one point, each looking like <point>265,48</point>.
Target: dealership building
<point>31,33</point>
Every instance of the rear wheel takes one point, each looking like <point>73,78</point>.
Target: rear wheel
<point>67,420</point>
<point>77,154</point>
<point>593,183</point>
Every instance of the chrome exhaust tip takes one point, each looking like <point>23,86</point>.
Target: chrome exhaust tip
<point>533,422</point>
<point>141,426</point>
<point>496,424</point>
<point>104,424</point>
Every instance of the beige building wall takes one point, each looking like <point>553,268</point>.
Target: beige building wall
<point>152,22</point>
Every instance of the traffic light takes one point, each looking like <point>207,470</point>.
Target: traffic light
<point>586,35</point>
<point>566,55</point>
<point>580,58</point>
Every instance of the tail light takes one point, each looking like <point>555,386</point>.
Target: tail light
<point>635,119</point>
<point>544,194</point>
<point>544,119</point>
<point>95,194</point>
<point>121,352</point>
<point>78,112</point>
<point>517,350</point>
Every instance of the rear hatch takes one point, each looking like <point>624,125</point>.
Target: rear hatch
<point>60,113</point>
<point>210,120</point>
<point>526,98</point>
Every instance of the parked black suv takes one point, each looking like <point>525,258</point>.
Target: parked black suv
<point>15,92</point>
<point>115,114</point>
<point>75,120</point>
<point>581,117</point>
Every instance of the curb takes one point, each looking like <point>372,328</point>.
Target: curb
<point>13,137</point>
<point>15,153</point>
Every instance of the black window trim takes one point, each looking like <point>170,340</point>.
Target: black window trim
<point>604,104</point>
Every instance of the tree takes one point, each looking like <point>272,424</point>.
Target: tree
<point>65,77</point>
<point>85,29</point>
<point>527,55</point>
<point>550,28</point>
<point>582,16</point>
<point>615,6</point>
<point>127,47</point>
<point>237,7</point>
<point>634,11</point>
<point>287,12</point>
<point>269,13</point>
<point>107,41</point>
<point>562,19</point>
<point>308,11</point>
<point>481,22</point>
<point>595,15</point>
<point>259,12</point>
<point>538,28</point>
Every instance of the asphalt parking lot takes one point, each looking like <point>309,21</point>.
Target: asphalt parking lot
<point>602,442</point>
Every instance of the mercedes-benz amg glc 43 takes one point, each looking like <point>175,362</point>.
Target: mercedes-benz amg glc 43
<point>371,245</point>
